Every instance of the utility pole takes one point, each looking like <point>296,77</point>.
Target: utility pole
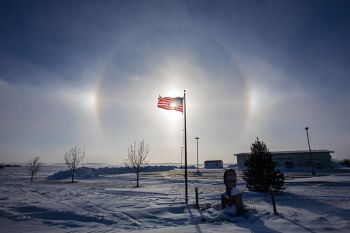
<point>308,141</point>
<point>197,156</point>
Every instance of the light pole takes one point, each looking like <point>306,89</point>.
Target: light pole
<point>197,156</point>
<point>308,141</point>
<point>181,156</point>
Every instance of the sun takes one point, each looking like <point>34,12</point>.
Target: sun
<point>172,115</point>
<point>173,105</point>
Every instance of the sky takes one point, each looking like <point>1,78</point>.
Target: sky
<point>89,73</point>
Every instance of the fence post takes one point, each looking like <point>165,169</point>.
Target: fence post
<point>273,202</point>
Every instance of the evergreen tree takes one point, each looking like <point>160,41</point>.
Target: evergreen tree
<point>277,180</point>
<point>260,174</point>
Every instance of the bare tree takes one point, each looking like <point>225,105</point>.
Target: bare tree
<point>137,158</point>
<point>33,166</point>
<point>72,158</point>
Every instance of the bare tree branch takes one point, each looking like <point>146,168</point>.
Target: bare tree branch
<point>72,158</point>
<point>137,158</point>
<point>33,166</point>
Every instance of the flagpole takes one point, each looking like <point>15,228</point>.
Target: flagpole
<point>186,190</point>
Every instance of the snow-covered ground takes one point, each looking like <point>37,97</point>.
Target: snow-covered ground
<point>111,203</point>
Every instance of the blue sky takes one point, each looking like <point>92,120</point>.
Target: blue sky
<point>88,73</point>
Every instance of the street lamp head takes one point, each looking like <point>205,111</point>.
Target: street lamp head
<point>306,128</point>
<point>197,138</point>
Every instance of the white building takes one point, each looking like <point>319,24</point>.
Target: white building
<point>294,159</point>
<point>213,164</point>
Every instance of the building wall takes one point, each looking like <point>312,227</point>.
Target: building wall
<point>213,164</point>
<point>241,161</point>
<point>321,160</point>
<point>290,160</point>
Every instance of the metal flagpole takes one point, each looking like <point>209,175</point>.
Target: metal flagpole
<point>186,190</point>
<point>181,157</point>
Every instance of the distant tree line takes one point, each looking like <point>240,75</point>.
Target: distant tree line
<point>345,162</point>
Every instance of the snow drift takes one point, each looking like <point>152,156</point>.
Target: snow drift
<point>88,172</point>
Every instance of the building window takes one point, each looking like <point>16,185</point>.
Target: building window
<point>318,165</point>
<point>308,162</point>
<point>289,164</point>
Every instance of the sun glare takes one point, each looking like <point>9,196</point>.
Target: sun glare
<point>258,100</point>
<point>173,115</point>
<point>173,105</point>
<point>90,100</point>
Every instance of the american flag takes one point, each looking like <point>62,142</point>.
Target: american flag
<point>171,103</point>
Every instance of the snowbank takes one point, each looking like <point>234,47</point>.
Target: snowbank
<point>88,172</point>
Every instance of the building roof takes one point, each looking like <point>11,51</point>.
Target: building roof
<point>290,152</point>
<point>213,161</point>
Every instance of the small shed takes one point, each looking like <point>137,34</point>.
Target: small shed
<point>213,164</point>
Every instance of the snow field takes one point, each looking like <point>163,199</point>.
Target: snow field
<point>110,203</point>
